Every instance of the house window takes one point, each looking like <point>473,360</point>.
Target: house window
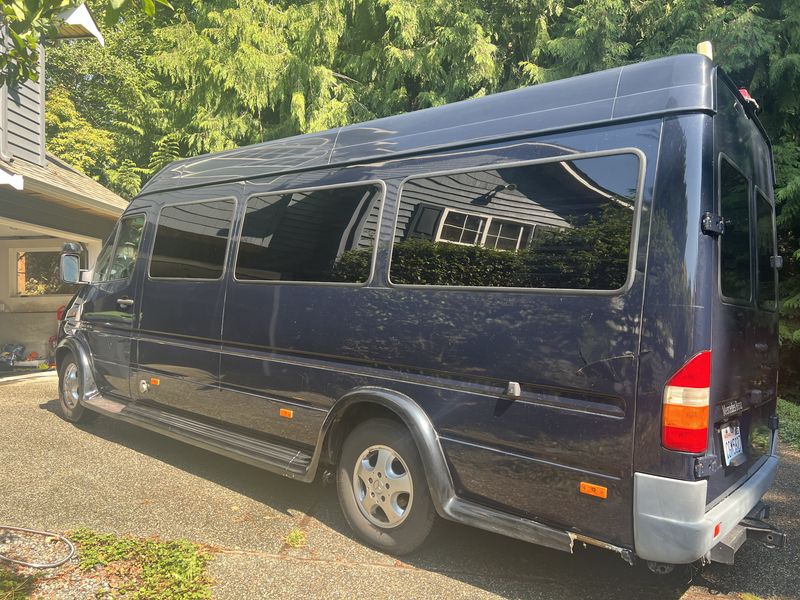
<point>38,274</point>
<point>482,230</point>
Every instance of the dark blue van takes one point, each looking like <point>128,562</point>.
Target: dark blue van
<point>550,313</point>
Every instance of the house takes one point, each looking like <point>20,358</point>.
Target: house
<point>43,203</point>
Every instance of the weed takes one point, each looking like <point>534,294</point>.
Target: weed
<point>146,568</point>
<point>13,586</point>
<point>296,538</point>
<point>789,414</point>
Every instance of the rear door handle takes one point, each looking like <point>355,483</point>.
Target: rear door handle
<point>125,302</point>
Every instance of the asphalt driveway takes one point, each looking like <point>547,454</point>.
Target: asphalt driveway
<point>113,477</point>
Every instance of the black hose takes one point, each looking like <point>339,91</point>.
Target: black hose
<point>22,563</point>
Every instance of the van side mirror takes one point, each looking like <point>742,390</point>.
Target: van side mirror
<point>70,264</point>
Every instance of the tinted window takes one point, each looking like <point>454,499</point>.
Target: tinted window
<point>100,272</point>
<point>561,224</point>
<point>766,250</point>
<point>127,247</point>
<point>318,235</point>
<point>191,240</point>
<point>735,242</point>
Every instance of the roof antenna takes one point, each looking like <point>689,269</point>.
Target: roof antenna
<point>706,49</point>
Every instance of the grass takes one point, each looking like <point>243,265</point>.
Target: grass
<point>146,568</point>
<point>13,586</point>
<point>296,538</point>
<point>789,416</point>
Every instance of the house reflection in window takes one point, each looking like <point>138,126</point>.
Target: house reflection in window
<point>567,223</point>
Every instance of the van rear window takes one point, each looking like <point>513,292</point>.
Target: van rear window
<point>192,239</point>
<point>735,273</point>
<point>765,234</point>
<point>322,235</point>
<point>562,224</point>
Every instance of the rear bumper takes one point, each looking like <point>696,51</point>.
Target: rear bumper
<point>670,523</point>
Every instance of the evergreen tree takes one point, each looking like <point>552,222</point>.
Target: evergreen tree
<point>216,75</point>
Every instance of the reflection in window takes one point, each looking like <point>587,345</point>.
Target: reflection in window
<point>127,247</point>
<point>319,235</point>
<point>766,250</point>
<point>191,240</point>
<point>103,262</point>
<point>735,243</point>
<point>561,224</point>
<point>482,230</point>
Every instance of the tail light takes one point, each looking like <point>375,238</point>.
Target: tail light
<point>685,412</point>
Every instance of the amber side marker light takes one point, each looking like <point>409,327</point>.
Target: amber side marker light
<point>685,411</point>
<point>286,413</point>
<point>590,489</point>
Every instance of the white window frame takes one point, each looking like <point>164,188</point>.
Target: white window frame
<point>488,223</point>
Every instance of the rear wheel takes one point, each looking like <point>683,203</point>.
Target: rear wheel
<point>70,390</point>
<point>382,487</point>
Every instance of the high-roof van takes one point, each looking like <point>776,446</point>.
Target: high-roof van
<point>550,313</point>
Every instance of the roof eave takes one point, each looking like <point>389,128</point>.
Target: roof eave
<point>78,23</point>
<point>79,201</point>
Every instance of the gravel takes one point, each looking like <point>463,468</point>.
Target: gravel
<point>32,548</point>
<point>64,582</point>
<point>113,477</point>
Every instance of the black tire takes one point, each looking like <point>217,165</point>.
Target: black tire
<point>71,408</point>
<point>419,514</point>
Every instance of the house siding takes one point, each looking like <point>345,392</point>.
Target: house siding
<point>22,117</point>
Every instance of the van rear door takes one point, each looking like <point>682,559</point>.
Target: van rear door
<point>744,316</point>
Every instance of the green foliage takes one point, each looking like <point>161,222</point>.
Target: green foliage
<point>296,538</point>
<point>160,571</point>
<point>28,21</point>
<point>74,139</point>
<point>121,105</point>
<point>423,262</point>
<point>789,415</point>
<point>14,586</point>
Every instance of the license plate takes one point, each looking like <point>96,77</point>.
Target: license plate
<point>731,443</point>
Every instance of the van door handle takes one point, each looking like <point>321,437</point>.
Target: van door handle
<point>125,302</point>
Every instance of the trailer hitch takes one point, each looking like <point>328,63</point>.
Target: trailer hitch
<point>752,527</point>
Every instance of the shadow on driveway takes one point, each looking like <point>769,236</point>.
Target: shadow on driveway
<point>500,566</point>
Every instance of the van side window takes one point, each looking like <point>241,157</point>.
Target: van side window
<point>735,275</point>
<point>192,240</point>
<point>765,234</point>
<point>560,224</point>
<point>323,235</point>
<point>127,247</point>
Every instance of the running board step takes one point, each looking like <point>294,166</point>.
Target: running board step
<point>266,455</point>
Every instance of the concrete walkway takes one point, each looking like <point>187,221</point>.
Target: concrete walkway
<point>114,477</point>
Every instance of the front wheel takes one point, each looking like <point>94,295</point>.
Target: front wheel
<point>382,487</point>
<point>70,389</point>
